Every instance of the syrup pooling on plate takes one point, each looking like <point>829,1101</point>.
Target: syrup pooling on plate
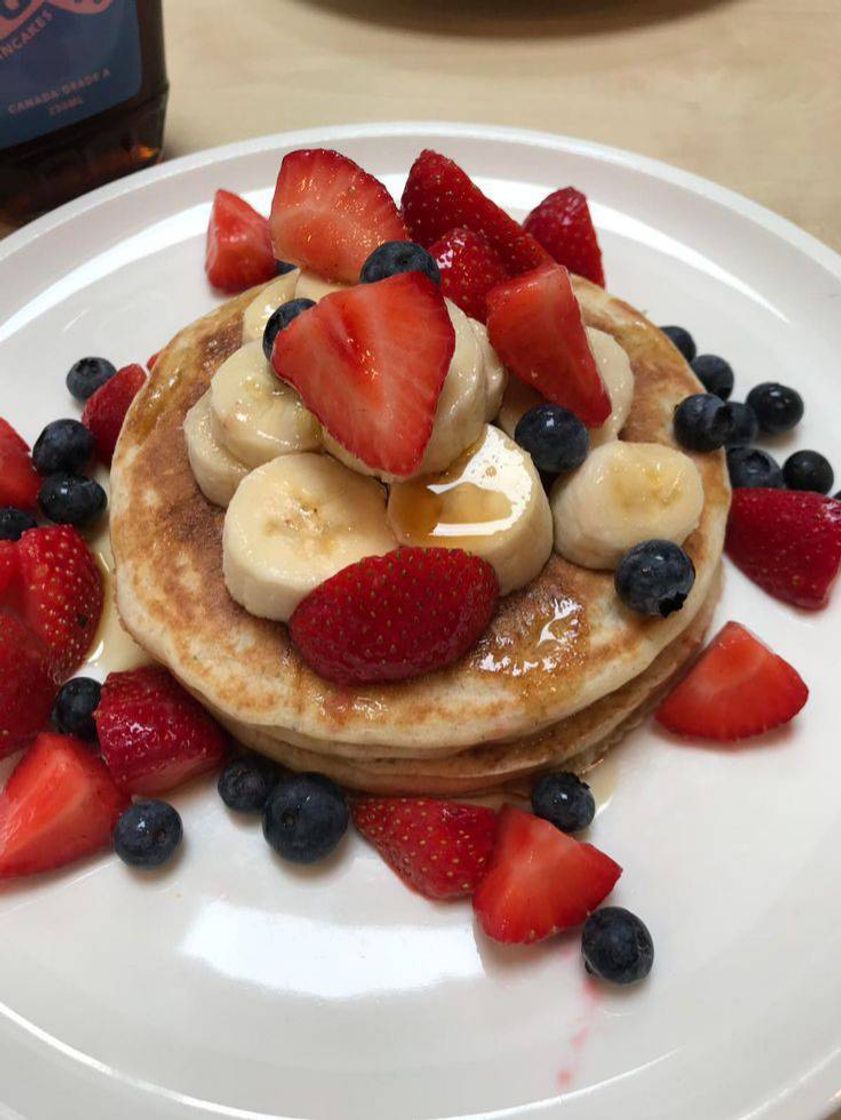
<point>113,648</point>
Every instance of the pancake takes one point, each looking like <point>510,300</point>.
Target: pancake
<point>554,649</point>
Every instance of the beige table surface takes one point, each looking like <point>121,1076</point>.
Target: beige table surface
<point>746,92</point>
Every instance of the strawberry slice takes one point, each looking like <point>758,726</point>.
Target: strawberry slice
<point>535,325</point>
<point>370,362</point>
<point>787,541</point>
<point>153,735</point>
<point>439,848</point>
<point>388,618</point>
<point>563,226</point>
<point>106,409</point>
<point>738,688</point>
<point>540,880</point>
<point>329,215</point>
<point>27,689</point>
<point>469,268</point>
<point>238,251</point>
<point>59,804</point>
<point>439,196</point>
<point>19,481</point>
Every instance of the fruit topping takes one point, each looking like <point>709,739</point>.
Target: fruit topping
<point>388,618</point>
<point>778,408</point>
<point>682,339</point>
<point>617,946</point>
<point>469,268</point>
<point>554,437</point>
<point>329,215</point>
<point>87,375</point>
<point>26,684</point>
<point>808,470</point>
<point>148,834</point>
<point>540,880</point>
<point>715,374</point>
<point>394,257</point>
<point>152,360</point>
<point>75,704</point>
<point>64,445</point>
<point>654,578</point>
<point>745,427</point>
<point>563,226</point>
<point>564,800</point>
<point>439,848</point>
<point>305,817</point>
<point>737,689</point>
<point>238,252</point>
<point>246,782</point>
<point>14,523</point>
<point>19,481</point>
<point>70,499</point>
<point>281,317</point>
<point>370,362</point>
<point>703,422</point>
<point>534,323</point>
<point>106,409</point>
<point>751,467</point>
<point>788,542</point>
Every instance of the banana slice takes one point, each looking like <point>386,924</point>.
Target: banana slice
<point>292,524</point>
<point>255,415</point>
<point>516,402</point>
<point>216,471</point>
<point>496,375</point>
<point>490,502</point>
<point>270,298</point>
<point>310,286</point>
<point>625,493</point>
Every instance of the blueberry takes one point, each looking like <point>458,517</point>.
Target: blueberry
<point>74,706</point>
<point>70,499</point>
<point>564,800</point>
<point>715,374</point>
<point>682,339</point>
<point>808,470</point>
<point>554,437</point>
<point>393,257</point>
<point>14,523</point>
<point>87,375</point>
<point>703,422</point>
<point>750,466</point>
<point>246,782</point>
<point>282,267</point>
<point>305,817</point>
<point>281,317</point>
<point>654,578</point>
<point>64,445</point>
<point>617,946</point>
<point>777,408</point>
<point>745,424</point>
<point>147,834</point>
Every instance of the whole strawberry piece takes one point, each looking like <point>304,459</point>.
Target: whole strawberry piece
<point>329,215</point>
<point>469,268</point>
<point>439,196</point>
<point>787,541</point>
<point>238,250</point>
<point>440,848</point>
<point>563,226</point>
<point>540,880</point>
<point>153,734</point>
<point>388,618</point>
<point>106,409</point>
<point>19,481</point>
<point>27,689</point>
<point>737,689</point>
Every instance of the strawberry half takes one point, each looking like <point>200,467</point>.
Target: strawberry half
<point>59,804</point>
<point>238,251</point>
<point>439,848</point>
<point>738,688</point>
<point>153,734</point>
<point>19,481</point>
<point>388,618</point>
<point>563,226</point>
<point>469,268</point>
<point>439,196</point>
<point>787,541</point>
<point>540,880</point>
<point>106,410</point>
<point>535,325</point>
<point>329,215</point>
<point>370,362</point>
<point>27,689</point>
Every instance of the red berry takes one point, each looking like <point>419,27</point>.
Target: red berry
<point>388,618</point>
<point>152,360</point>
<point>469,269</point>
<point>19,481</point>
<point>563,226</point>
<point>106,410</point>
<point>238,252</point>
<point>27,689</point>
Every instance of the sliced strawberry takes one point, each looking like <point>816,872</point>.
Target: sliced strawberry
<point>106,410</point>
<point>151,361</point>
<point>370,362</point>
<point>738,688</point>
<point>27,689</point>
<point>787,541</point>
<point>19,481</point>
<point>540,880</point>
<point>329,215</point>
<point>469,269</point>
<point>563,226</point>
<point>440,848</point>
<point>535,325</point>
<point>153,734</point>
<point>238,252</point>
<point>387,618</point>
<point>439,196</point>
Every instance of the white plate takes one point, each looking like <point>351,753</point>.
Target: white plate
<point>233,986</point>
